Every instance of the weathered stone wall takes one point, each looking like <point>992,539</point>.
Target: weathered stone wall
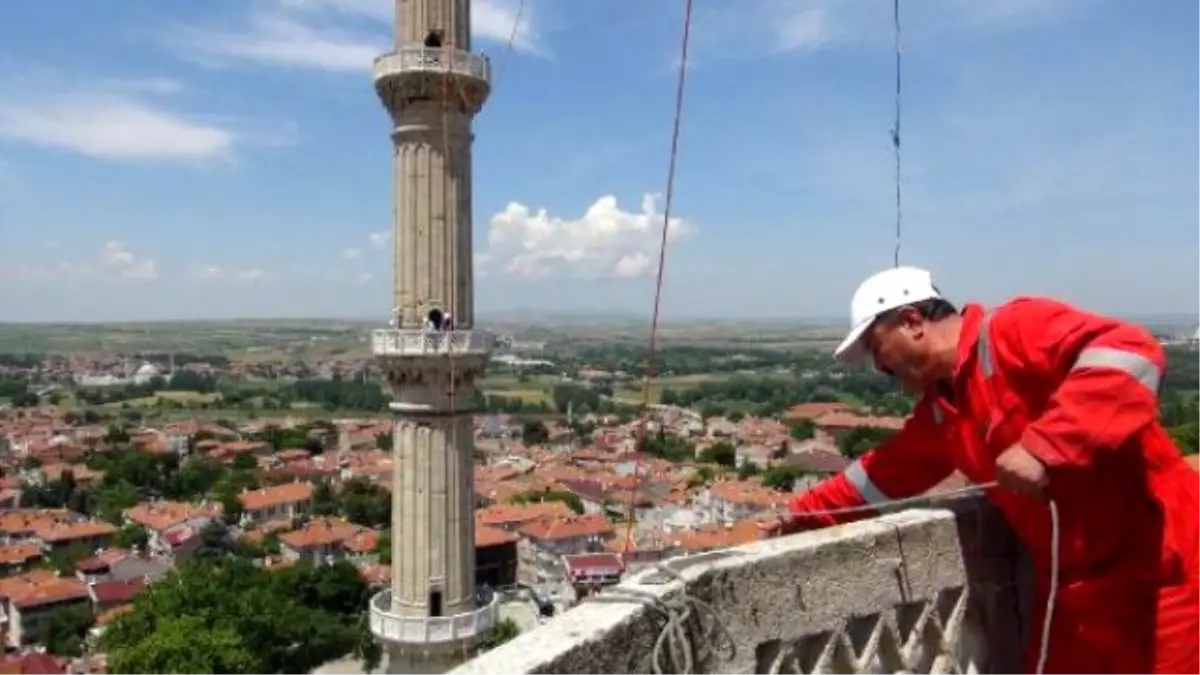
<point>919,591</point>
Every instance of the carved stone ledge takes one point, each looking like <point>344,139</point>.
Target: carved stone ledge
<point>916,591</point>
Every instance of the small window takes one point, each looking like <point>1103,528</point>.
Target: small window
<point>433,39</point>
<point>435,603</point>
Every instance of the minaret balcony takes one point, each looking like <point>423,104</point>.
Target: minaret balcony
<point>420,342</point>
<point>469,627</point>
<point>432,60</point>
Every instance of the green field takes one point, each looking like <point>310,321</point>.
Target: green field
<point>535,389</point>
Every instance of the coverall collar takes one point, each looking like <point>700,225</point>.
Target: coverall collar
<point>972,318</point>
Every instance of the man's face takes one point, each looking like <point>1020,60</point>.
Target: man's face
<point>898,344</point>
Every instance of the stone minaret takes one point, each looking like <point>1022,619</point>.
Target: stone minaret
<point>432,86</point>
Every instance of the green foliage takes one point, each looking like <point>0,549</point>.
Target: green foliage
<point>782,478</point>
<point>721,453</point>
<point>670,448</point>
<point>130,477</point>
<point>504,630</point>
<point>132,536</point>
<point>534,432</point>
<point>340,394</point>
<point>856,442</point>
<point>748,470</point>
<point>538,496</point>
<point>383,547</point>
<point>228,616</point>
<point>802,429</point>
<point>63,559</point>
<point>68,629</point>
<point>365,503</point>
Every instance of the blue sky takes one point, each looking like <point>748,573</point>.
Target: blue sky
<point>229,158</point>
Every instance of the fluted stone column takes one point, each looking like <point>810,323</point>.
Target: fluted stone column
<point>433,515</point>
<point>433,242</point>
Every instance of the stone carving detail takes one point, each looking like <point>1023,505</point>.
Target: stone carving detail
<point>917,637</point>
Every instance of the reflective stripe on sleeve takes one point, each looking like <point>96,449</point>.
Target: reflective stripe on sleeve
<point>983,347</point>
<point>1133,364</point>
<point>857,475</point>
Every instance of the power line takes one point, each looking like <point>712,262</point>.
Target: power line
<point>896,129</point>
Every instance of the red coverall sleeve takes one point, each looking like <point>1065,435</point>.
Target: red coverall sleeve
<point>907,464</point>
<point>1109,370</point>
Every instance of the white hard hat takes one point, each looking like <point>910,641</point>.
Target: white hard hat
<point>881,292</point>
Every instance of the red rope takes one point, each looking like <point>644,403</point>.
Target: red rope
<point>658,283</point>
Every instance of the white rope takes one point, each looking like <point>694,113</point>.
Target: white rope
<point>673,640</point>
<point>1048,619</point>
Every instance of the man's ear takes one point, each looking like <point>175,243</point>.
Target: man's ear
<point>910,318</point>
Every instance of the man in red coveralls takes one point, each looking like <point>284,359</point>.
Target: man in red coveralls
<point>1053,403</point>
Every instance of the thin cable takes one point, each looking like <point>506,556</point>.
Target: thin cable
<point>896,127</point>
<point>680,88</point>
<point>508,48</point>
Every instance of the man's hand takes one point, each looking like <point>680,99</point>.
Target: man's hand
<point>1018,470</point>
<point>772,527</point>
<point>786,523</point>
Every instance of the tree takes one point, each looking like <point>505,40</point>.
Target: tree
<point>719,453</point>
<point>571,499</point>
<point>132,537</point>
<point>67,630</point>
<point>747,469</point>
<point>383,548</point>
<point>325,502</point>
<point>854,443</point>
<point>229,616</point>
<point>801,429</point>
<point>364,503</point>
<point>533,432</point>
<point>504,630</point>
<point>245,462</point>
<point>782,478</point>
<point>215,542</point>
<point>63,560</point>
<point>184,644</point>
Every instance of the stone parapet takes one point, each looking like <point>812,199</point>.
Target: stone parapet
<point>927,590</point>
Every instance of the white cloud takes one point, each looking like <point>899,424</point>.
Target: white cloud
<point>215,273</point>
<point>281,40</point>
<point>336,35</point>
<point>117,259</point>
<point>118,120</point>
<point>606,241</point>
<point>494,20</point>
<point>809,25</point>
<point>114,262</point>
<point>352,253</point>
<point>379,239</point>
